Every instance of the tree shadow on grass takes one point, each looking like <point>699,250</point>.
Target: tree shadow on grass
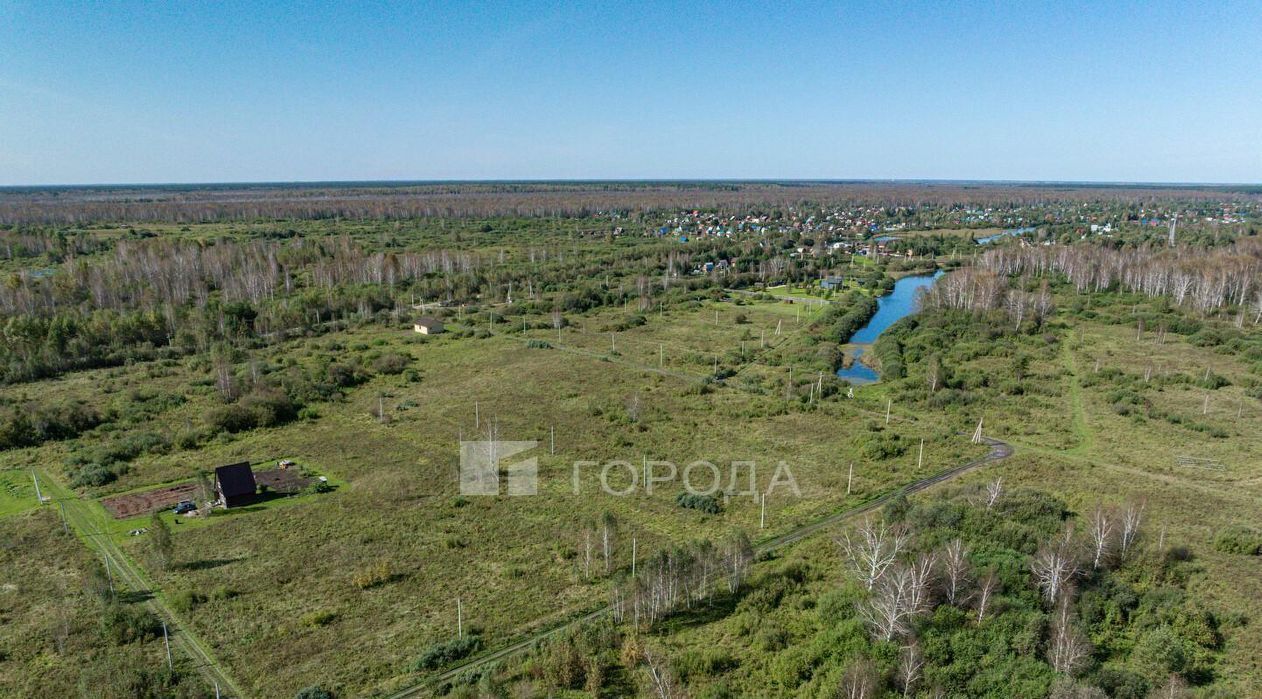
<point>209,563</point>
<point>133,596</point>
<point>719,607</point>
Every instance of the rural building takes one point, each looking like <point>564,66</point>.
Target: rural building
<point>235,484</point>
<point>833,282</point>
<point>428,326</point>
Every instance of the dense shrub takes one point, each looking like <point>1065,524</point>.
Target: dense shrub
<point>91,475</point>
<point>392,363</point>
<point>185,600</point>
<point>30,425</point>
<point>442,653</point>
<point>374,575</point>
<point>125,623</point>
<point>705,503</point>
<point>1239,540</point>
<point>259,408</point>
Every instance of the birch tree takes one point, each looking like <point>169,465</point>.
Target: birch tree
<point>994,491</point>
<point>1100,529</point>
<point>1132,520</point>
<point>1067,649</point>
<point>1054,566</point>
<point>986,588</point>
<point>871,548</point>
<point>955,570</point>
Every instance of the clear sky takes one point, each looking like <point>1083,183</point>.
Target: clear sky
<point>181,91</point>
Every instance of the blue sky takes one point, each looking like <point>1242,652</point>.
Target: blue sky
<point>120,92</point>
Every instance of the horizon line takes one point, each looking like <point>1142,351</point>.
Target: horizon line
<point>642,181</point>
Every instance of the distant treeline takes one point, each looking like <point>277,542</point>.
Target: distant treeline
<point>208,203</point>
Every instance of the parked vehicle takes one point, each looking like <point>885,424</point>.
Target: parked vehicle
<point>185,506</point>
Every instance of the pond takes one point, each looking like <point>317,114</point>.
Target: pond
<point>891,308</point>
<point>1003,234</point>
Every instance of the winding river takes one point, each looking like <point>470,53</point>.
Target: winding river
<point>892,307</point>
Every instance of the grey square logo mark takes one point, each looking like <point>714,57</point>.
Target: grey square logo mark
<point>483,465</point>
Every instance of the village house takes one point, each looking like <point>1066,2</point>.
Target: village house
<point>234,484</point>
<point>428,326</point>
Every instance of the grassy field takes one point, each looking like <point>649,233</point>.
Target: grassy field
<point>277,589</point>
<point>1082,435</point>
<point>288,567</point>
<point>17,492</point>
<point>54,640</point>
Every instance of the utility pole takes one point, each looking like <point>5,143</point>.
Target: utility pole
<point>633,557</point>
<point>109,574</point>
<point>477,419</point>
<point>39,497</point>
<point>661,355</point>
<point>920,460</point>
<point>850,478</point>
<point>459,619</point>
<point>762,517</point>
<point>64,527</point>
<point>167,641</point>
<point>889,403</point>
<point>554,440</point>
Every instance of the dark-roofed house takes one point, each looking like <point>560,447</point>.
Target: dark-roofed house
<point>235,484</point>
<point>428,326</point>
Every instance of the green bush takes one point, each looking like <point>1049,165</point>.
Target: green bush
<point>705,503</point>
<point>91,475</point>
<point>1238,540</point>
<point>185,600</point>
<point>121,624</point>
<point>392,363</point>
<point>445,652</point>
<point>318,618</point>
<point>707,662</point>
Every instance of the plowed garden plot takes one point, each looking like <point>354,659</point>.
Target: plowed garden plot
<point>283,481</point>
<point>133,504</point>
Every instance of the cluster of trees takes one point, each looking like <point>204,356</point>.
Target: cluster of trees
<point>1104,609</point>
<point>679,578</point>
<point>28,424</point>
<point>628,200</point>
<point>166,297</point>
<point>151,298</point>
<point>980,290</point>
<point>841,320</point>
<point>986,591</point>
<point>53,245</point>
<point>1228,276</point>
